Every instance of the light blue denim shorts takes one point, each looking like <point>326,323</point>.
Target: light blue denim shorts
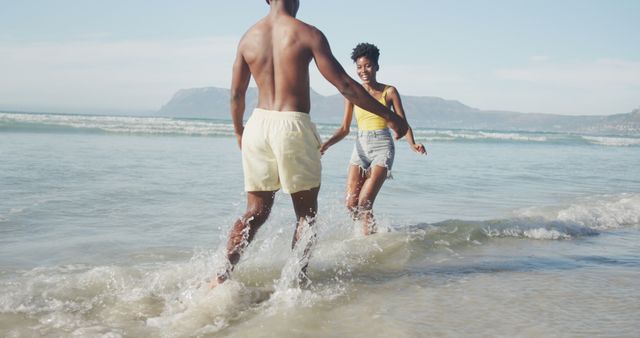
<point>373,147</point>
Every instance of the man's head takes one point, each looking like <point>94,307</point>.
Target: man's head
<point>291,6</point>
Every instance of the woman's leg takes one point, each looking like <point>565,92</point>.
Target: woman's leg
<point>368,192</point>
<point>355,180</point>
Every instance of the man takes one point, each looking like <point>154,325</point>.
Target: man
<point>280,145</point>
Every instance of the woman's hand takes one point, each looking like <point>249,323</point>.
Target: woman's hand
<point>418,148</point>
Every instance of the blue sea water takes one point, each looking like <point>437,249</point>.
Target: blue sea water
<point>111,226</point>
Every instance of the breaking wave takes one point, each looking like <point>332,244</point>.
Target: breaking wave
<point>168,297</point>
<point>61,123</point>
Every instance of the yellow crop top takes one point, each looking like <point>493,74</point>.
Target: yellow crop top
<point>370,121</point>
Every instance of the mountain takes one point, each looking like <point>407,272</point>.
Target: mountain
<point>212,102</point>
<point>422,111</point>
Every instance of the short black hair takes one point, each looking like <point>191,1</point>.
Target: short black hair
<point>366,49</point>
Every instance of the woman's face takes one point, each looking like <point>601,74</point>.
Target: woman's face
<point>366,69</point>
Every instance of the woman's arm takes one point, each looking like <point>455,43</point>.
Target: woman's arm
<point>343,131</point>
<point>396,103</point>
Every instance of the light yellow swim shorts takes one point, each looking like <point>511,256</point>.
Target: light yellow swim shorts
<point>280,149</point>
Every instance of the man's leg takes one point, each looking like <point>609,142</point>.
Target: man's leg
<point>368,194</point>
<point>305,204</point>
<point>259,205</point>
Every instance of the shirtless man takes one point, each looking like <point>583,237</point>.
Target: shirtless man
<point>280,145</point>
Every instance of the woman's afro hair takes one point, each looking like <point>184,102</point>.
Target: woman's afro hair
<point>366,49</point>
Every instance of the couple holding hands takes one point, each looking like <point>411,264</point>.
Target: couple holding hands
<point>280,146</point>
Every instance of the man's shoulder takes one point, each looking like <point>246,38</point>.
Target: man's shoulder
<point>314,30</point>
<point>255,32</point>
<point>259,26</point>
<point>305,28</point>
<point>305,31</point>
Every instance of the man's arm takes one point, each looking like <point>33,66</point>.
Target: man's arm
<point>241,75</point>
<point>331,69</point>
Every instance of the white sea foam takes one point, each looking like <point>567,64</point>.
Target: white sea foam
<point>513,137</point>
<point>473,135</point>
<point>172,297</point>
<point>606,213</point>
<point>613,141</point>
<point>531,232</point>
<point>125,124</point>
<point>585,217</point>
<point>541,233</point>
<point>597,213</point>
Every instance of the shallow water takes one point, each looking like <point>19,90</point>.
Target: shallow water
<point>114,232</point>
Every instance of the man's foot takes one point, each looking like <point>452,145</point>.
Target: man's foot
<point>303,280</point>
<point>369,229</point>
<point>219,279</point>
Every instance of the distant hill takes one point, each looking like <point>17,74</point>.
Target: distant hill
<point>422,111</point>
<point>212,102</point>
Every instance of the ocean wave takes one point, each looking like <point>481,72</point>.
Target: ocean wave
<point>55,123</point>
<point>586,217</point>
<point>519,137</point>
<point>158,295</point>
<point>164,299</point>
<point>599,213</point>
<point>113,124</point>
<point>473,135</point>
<point>612,141</point>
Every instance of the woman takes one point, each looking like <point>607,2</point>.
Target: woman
<point>373,153</point>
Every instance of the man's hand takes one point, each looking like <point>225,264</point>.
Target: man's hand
<point>324,148</point>
<point>399,126</point>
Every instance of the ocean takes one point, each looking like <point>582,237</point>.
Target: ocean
<point>111,226</point>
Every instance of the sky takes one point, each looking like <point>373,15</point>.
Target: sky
<point>572,57</point>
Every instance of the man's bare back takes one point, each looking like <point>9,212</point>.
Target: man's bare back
<point>278,57</point>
